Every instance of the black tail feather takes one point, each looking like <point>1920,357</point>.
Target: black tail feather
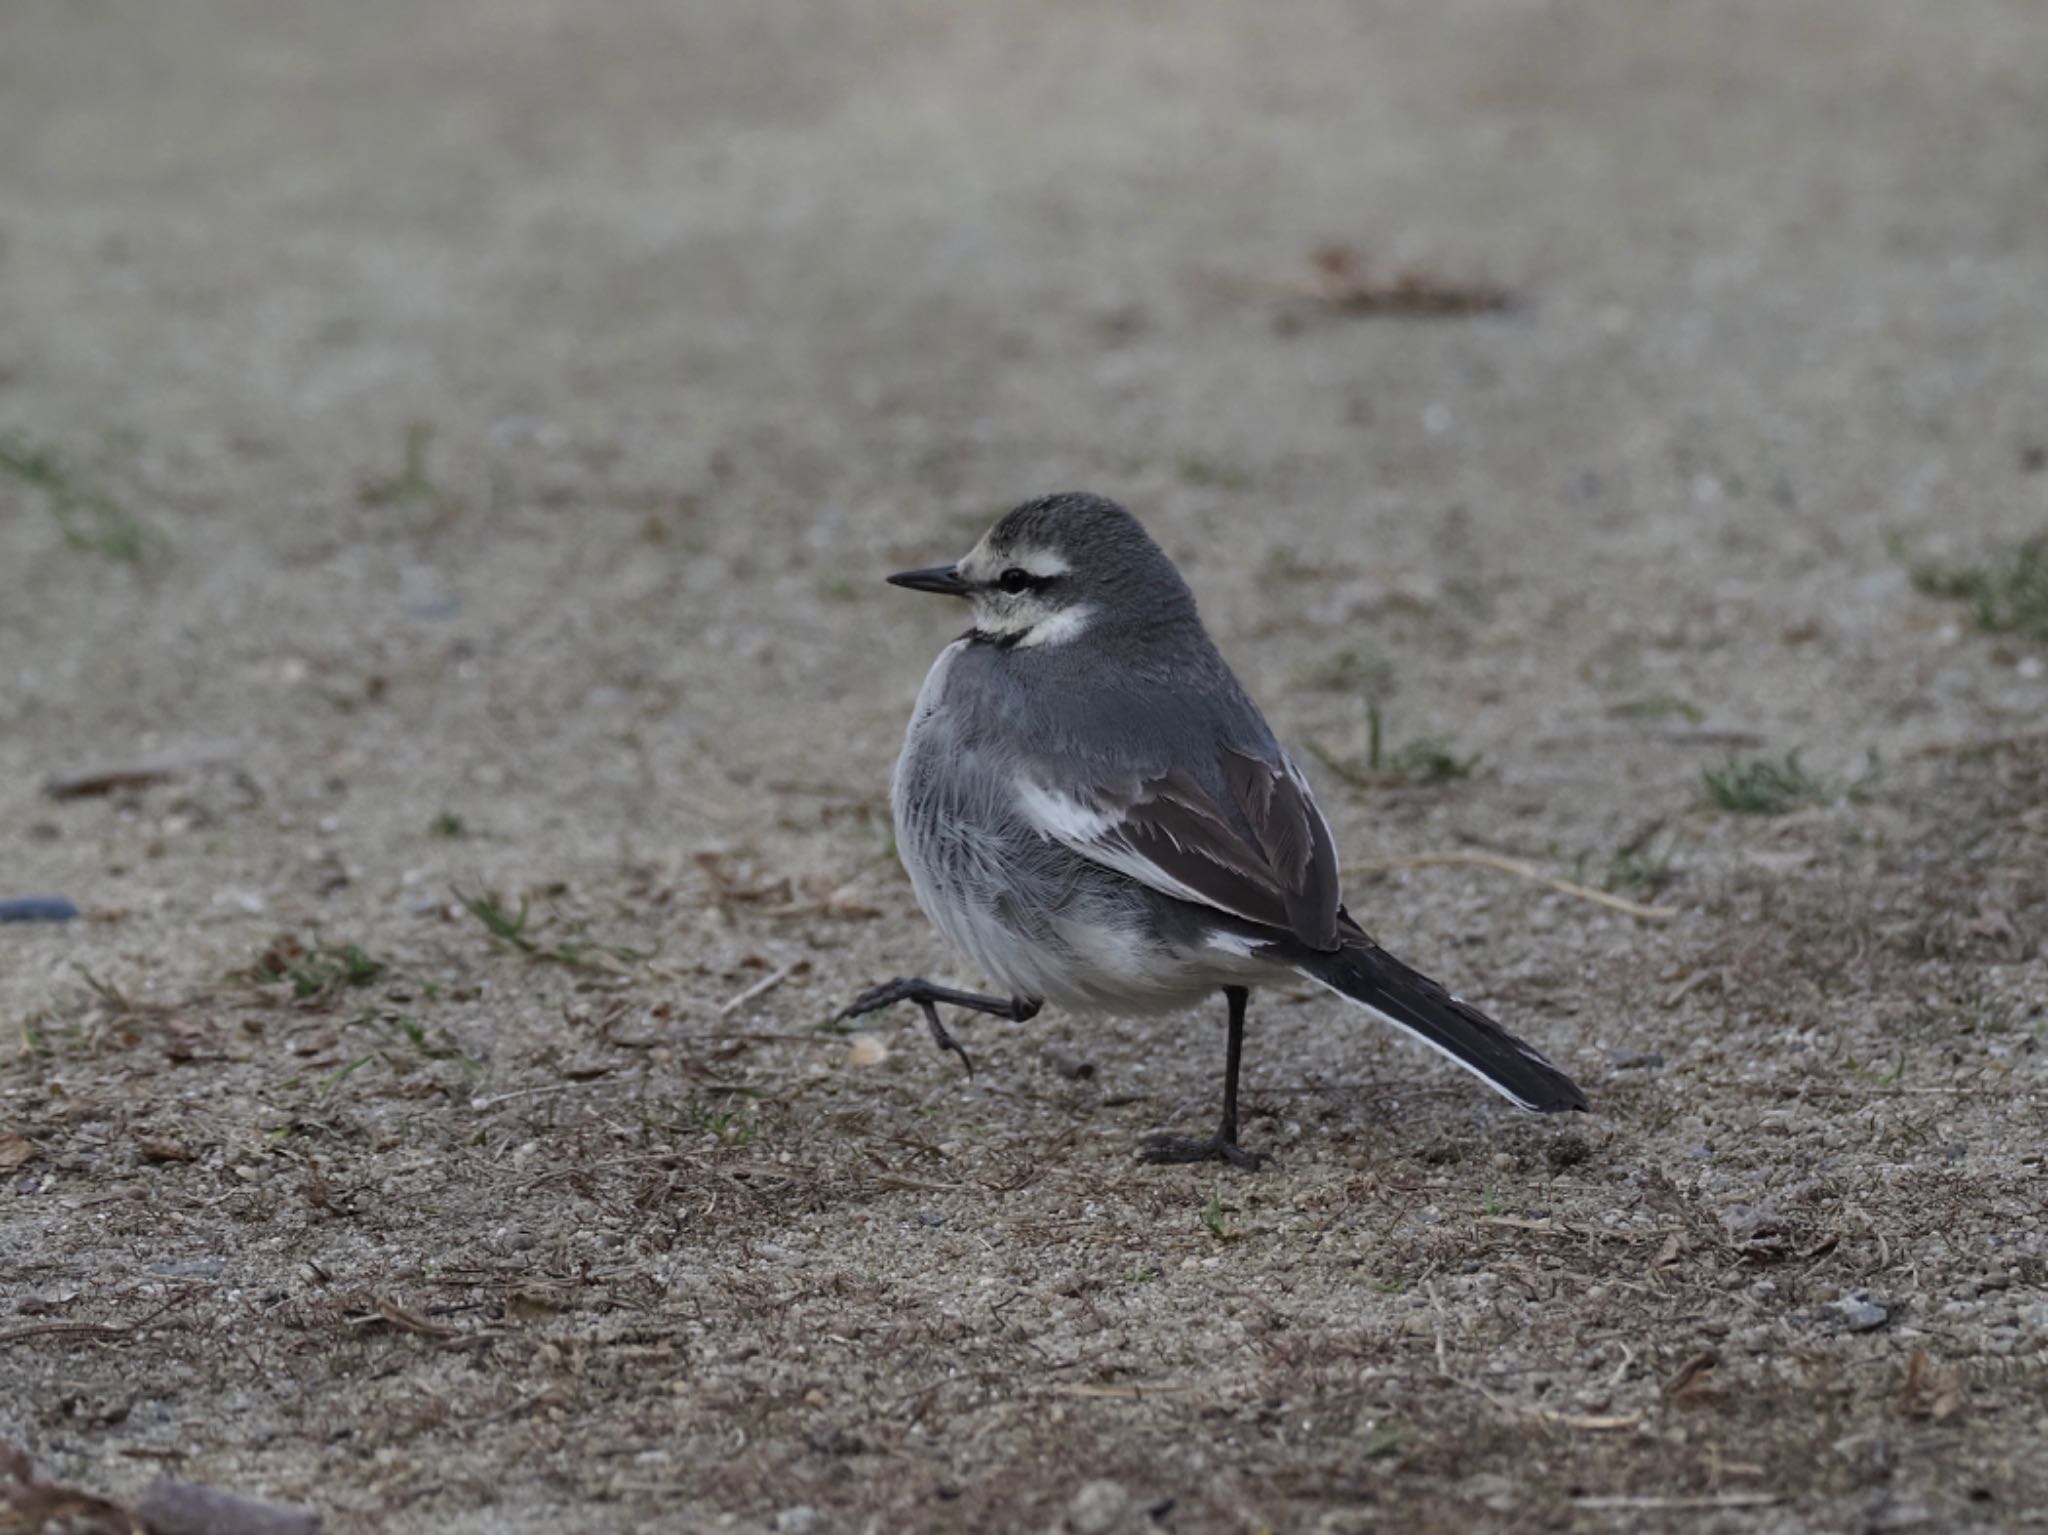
<point>1410,1000</point>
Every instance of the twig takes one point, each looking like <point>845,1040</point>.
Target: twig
<point>1603,1233</point>
<point>1443,1364</point>
<point>1980,744</point>
<point>105,780</point>
<point>1599,1423</point>
<point>91,1329</point>
<point>748,1036</point>
<point>1527,871</point>
<point>760,988</point>
<point>108,777</point>
<point>1726,740</point>
<point>63,1330</point>
<point>1706,1500</point>
<point>1342,280</point>
<point>392,1314</point>
<point>529,1092</point>
<point>922,1185</point>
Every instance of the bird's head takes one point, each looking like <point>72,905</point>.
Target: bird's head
<point>1055,568</point>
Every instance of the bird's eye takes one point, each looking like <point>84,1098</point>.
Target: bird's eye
<point>1015,580</point>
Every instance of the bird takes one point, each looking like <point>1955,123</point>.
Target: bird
<point>1095,814</point>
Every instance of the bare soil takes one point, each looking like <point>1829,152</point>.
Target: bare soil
<point>462,443</point>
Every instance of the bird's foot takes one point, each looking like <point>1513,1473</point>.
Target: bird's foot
<point>1172,1149</point>
<point>888,994</point>
<point>923,993</point>
<point>915,988</point>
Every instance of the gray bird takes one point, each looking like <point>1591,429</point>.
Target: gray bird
<point>1095,814</point>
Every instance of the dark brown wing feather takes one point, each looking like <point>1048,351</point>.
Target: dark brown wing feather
<point>1284,875</point>
<point>1295,839</point>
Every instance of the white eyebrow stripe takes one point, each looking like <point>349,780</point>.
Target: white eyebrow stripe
<point>1043,563</point>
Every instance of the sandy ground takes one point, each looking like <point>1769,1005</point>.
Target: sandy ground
<point>481,427</point>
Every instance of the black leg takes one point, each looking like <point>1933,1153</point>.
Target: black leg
<point>1233,1055</point>
<point>911,988</point>
<point>1222,1146</point>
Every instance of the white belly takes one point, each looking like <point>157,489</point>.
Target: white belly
<point>1040,921</point>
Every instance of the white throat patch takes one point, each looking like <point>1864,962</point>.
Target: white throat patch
<point>1059,627</point>
<point>1032,624</point>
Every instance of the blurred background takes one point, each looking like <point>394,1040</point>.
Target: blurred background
<point>567,374</point>
<point>458,445</point>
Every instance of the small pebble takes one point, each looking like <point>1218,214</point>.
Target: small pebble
<point>38,908</point>
<point>1067,1064</point>
<point>1098,1508</point>
<point>195,1268</point>
<point>1859,1313</point>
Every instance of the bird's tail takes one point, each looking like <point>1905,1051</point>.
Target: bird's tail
<point>1410,1000</point>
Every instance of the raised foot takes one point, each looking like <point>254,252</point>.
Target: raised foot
<point>888,994</point>
<point>1170,1149</point>
<point>926,996</point>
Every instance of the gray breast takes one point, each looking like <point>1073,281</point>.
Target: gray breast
<point>1038,919</point>
<point>971,858</point>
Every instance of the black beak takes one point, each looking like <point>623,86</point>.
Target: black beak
<point>943,579</point>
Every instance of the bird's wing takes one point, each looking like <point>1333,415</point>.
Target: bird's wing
<point>1272,862</point>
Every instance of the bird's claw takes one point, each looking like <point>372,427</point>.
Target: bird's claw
<point>906,989</point>
<point>875,998</point>
<point>1168,1150</point>
<point>946,1041</point>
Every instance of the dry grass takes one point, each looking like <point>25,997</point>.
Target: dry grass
<point>698,1259</point>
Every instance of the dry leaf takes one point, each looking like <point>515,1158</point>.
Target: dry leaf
<point>1928,1392</point>
<point>1918,1368</point>
<point>15,1152</point>
<point>532,1305</point>
<point>399,1316</point>
<point>1996,927</point>
<point>1692,1382</point>
<point>850,903</point>
<point>1343,279</point>
<point>153,1149</point>
<point>31,1502</point>
<point>733,880</point>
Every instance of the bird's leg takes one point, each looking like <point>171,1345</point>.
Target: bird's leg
<point>1222,1146</point>
<point>916,989</point>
